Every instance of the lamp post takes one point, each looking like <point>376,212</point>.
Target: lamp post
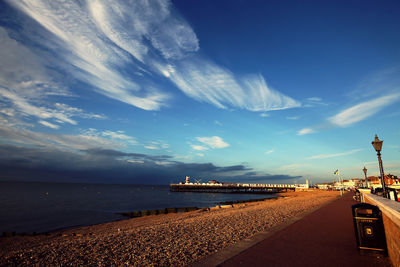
<point>365,175</point>
<point>377,144</point>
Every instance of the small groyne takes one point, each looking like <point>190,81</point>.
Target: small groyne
<point>223,204</point>
<point>142,213</point>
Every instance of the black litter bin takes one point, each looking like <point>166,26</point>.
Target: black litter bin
<point>368,227</point>
<point>357,196</point>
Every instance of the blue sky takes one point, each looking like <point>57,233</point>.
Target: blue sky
<point>241,91</point>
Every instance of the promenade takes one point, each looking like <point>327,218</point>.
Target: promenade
<point>264,233</point>
<point>324,237</point>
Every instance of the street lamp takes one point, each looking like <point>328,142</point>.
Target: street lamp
<point>377,144</point>
<point>365,174</point>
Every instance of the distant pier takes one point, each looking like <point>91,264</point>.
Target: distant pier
<point>234,188</point>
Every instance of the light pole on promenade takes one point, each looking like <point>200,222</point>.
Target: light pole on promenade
<point>365,175</point>
<point>377,144</point>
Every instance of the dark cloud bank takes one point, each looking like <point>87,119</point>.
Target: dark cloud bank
<point>112,166</point>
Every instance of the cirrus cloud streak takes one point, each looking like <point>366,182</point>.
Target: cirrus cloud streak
<point>363,110</point>
<point>325,156</point>
<point>100,40</point>
<point>355,113</point>
<point>213,142</point>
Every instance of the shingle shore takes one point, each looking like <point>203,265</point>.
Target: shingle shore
<point>160,240</point>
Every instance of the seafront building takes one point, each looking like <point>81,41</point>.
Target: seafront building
<point>341,185</point>
<point>372,182</point>
<point>348,184</point>
<point>324,186</point>
<point>391,181</point>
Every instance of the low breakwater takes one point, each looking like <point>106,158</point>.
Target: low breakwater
<point>141,213</point>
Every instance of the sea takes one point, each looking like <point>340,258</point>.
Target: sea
<point>38,207</point>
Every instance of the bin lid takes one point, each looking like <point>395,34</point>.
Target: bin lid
<point>366,210</point>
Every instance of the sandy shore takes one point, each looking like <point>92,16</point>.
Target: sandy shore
<point>160,240</point>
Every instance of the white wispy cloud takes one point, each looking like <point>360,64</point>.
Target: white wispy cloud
<point>85,140</point>
<point>59,112</point>
<point>135,161</point>
<point>381,82</point>
<point>305,131</point>
<point>100,38</point>
<point>213,142</point>
<point>205,81</point>
<point>48,124</point>
<point>294,166</point>
<point>183,157</point>
<point>325,156</point>
<point>164,163</point>
<point>27,87</point>
<point>151,147</point>
<point>313,102</point>
<point>129,24</point>
<point>363,110</point>
<point>90,53</point>
<point>382,85</point>
<point>24,72</point>
<point>15,122</point>
<point>77,112</point>
<point>261,97</point>
<point>31,110</point>
<point>314,99</point>
<point>269,151</point>
<point>199,147</point>
<point>118,135</point>
<point>107,21</point>
<point>157,145</point>
<point>355,113</point>
<point>8,111</point>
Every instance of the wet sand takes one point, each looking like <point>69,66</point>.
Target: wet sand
<point>160,240</point>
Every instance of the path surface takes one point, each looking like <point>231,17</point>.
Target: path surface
<point>323,238</point>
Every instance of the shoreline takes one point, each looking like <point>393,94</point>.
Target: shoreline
<point>135,214</point>
<point>49,206</point>
<point>166,239</point>
<point>222,204</point>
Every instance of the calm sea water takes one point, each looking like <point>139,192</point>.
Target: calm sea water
<point>40,207</point>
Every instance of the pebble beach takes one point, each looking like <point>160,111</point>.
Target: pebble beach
<point>160,240</point>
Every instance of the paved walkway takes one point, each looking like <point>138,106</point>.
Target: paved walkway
<point>324,237</point>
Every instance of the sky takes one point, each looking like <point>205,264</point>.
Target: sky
<point>148,92</point>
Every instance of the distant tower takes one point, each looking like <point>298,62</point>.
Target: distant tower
<point>187,180</point>
<point>307,186</point>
